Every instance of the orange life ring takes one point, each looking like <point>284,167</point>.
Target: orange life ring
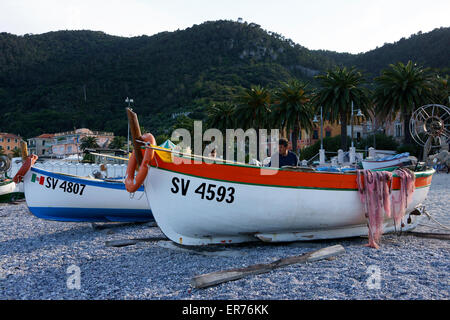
<point>132,183</point>
<point>31,160</point>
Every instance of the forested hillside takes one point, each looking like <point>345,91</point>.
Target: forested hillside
<point>60,80</point>
<point>427,49</point>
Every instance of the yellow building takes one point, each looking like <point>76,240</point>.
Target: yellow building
<point>9,142</point>
<point>306,140</point>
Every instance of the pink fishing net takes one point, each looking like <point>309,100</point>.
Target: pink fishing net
<point>378,200</point>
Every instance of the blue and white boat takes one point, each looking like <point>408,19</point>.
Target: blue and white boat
<point>64,197</point>
<point>389,162</point>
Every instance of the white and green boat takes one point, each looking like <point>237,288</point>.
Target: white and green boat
<point>9,191</point>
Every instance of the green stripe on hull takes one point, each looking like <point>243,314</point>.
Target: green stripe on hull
<point>267,185</point>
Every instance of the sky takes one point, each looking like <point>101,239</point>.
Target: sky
<point>341,25</point>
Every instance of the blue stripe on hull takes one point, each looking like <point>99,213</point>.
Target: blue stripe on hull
<point>97,183</point>
<point>92,214</point>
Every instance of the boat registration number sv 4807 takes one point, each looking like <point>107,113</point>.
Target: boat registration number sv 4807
<point>206,191</point>
<point>66,186</point>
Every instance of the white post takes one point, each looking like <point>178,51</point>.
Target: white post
<point>372,152</point>
<point>340,156</point>
<point>322,156</point>
<point>352,154</point>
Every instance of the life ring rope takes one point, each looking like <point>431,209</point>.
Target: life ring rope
<point>132,181</point>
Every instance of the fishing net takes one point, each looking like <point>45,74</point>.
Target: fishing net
<point>375,193</point>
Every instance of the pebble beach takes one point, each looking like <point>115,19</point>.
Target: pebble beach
<point>38,259</point>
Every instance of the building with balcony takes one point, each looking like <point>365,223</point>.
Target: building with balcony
<point>9,142</point>
<point>41,145</point>
<point>69,142</point>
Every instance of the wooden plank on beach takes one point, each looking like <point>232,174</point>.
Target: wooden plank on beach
<point>130,242</point>
<point>441,236</point>
<point>214,278</point>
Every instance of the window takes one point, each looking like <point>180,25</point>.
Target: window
<point>9,140</point>
<point>1,148</point>
<point>43,142</point>
<point>315,134</point>
<point>398,129</point>
<point>15,140</point>
<point>1,139</point>
<point>8,148</point>
<point>328,133</point>
<point>300,135</point>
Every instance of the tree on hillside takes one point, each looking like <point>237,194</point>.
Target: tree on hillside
<point>293,109</point>
<point>253,110</point>
<point>402,89</point>
<point>339,88</point>
<point>441,90</point>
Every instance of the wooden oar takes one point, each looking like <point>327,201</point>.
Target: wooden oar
<point>136,134</point>
<point>214,278</point>
<point>108,156</point>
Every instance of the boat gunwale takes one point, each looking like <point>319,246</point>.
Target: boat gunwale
<point>419,174</point>
<point>86,180</point>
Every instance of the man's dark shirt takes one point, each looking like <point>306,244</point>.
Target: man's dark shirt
<point>290,159</point>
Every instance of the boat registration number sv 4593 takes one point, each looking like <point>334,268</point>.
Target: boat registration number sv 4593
<point>66,186</point>
<point>206,191</point>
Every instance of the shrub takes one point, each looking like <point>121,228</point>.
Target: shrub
<point>382,142</point>
<point>414,150</point>
<point>331,144</point>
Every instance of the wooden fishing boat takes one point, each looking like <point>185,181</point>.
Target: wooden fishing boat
<point>199,201</point>
<point>197,204</point>
<point>63,197</point>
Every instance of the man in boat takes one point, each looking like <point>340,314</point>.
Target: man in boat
<point>285,156</point>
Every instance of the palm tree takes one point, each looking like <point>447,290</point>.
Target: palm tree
<point>222,116</point>
<point>88,142</point>
<point>339,88</point>
<point>253,109</point>
<point>17,152</point>
<point>293,110</point>
<point>402,88</point>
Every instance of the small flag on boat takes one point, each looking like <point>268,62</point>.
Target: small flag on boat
<point>35,178</point>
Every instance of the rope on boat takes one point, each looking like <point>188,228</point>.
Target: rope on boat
<point>147,145</point>
<point>430,217</point>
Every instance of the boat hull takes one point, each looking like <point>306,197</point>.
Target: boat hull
<point>9,191</point>
<point>387,164</point>
<point>189,214</point>
<point>61,197</point>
